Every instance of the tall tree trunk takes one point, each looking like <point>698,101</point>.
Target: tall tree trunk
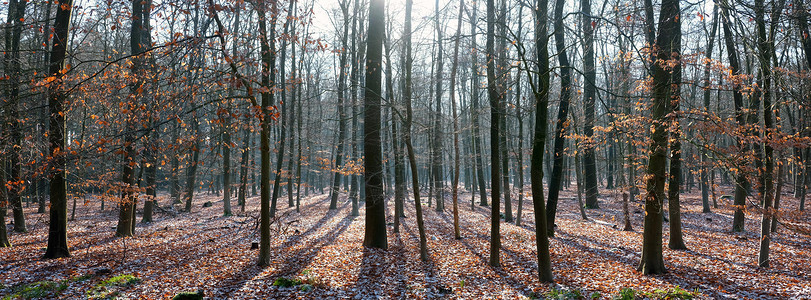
<point>475,83</point>
<point>151,168</point>
<point>58,223</point>
<point>339,154</point>
<point>502,78</point>
<point>353,95</point>
<point>805,40</point>
<point>541,93</point>
<point>268,48</point>
<point>563,114</point>
<point>705,160</point>
<point>279,174</point>
<point>589,91</point>
<point>454,68</point>
<point>375,233</point>
<point>407,63</point>
<point>291,123</point>
<point>737,96</point>
<point>226,135</point>
<point>765,49</point>
<point>399,172</point>
<point>16,15</point>
<point>436,145</point>
<point>495,103</point>
<point>519,153</point>
<point>652,261</point>
<point>128,197</point>
<point>673,46</point>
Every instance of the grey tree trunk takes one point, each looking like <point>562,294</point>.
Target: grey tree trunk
<point>16,15</point>
<point>339,154</point>
<point>58,223</point>
<point>375,233</point>
<point>407,63</point>
<point>541,94</point>
<point>589,93</point>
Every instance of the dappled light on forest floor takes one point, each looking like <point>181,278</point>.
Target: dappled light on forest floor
<point>320,255</point>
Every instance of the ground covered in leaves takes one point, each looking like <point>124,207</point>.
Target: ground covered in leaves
<point>319,255</point>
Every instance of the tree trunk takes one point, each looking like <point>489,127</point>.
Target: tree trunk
<point>672,43</point>
<point>399,172</point>
<point>14,184</point>
<point>740,178</point>
<point>495,169</point>
<point>475,83</point>
<point>705,161</point>
<point>375,233</point>
<point>279,174</point>
<point>652,261</point>
<point>57,232</point>
<point>563,115</point>
<point>454,68</point>
<point>339,154</point>
<point>765,49</point>
<point>541,93</point>
<point>589,91</point>
<point>407,62</point>
<point>353,94</point>
<point>191,170</point>
<point>129,198</point>
<point>436,145</point>
<point>3,208</point>
<point>268,48</point>
<point>151,168</point>
<point>502,78</point>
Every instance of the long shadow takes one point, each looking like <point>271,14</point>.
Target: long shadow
<point>293,265</point>
<point>571,241</point>
<point>320,223</point>
<point>313,203</point>
<point>712,291</point>
<point>236,281</point>
<point>371,274</point>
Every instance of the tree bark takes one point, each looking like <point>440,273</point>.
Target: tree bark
<point>672,43</point>
<point>339,154</point>
<point>705,161</point>
<point>14,184</point>
<point>563,114</point>
<point>541,93</point>
<point>495,169</point>
<point>652,261</point>
<point>589,91</point>
<point>407,63</point>
<point>454,68</point>
<point>375,233</point>
<point>57,232</point>
<point>737,96</point>
<point>268,48</point>
<point>475,83</point>
<point>436,144</point>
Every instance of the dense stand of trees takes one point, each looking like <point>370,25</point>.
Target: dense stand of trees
<point>360,104</point>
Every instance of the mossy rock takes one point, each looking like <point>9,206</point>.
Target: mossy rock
<point>198,295</point>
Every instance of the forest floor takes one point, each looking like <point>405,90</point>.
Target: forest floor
<point>204,251</point>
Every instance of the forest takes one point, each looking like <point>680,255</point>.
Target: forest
<point>405,149</point>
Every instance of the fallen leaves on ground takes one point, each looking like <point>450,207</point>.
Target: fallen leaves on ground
<point>322,251</point>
